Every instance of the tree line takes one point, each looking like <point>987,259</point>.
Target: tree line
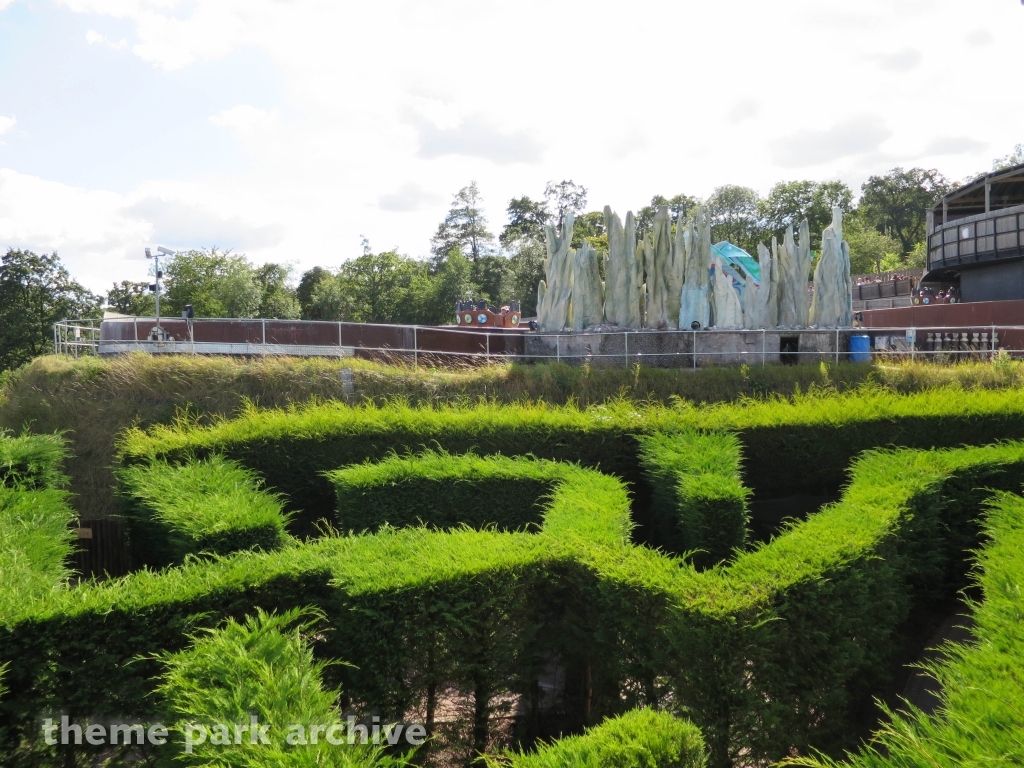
<point>885,226</point>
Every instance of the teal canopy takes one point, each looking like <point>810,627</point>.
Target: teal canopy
<point>738,262</point>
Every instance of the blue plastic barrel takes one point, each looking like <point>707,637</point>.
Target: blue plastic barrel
<point>860,349</point>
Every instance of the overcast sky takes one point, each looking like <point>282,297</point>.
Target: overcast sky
<point>285,130</point>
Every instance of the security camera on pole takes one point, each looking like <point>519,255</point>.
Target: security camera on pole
<point>157,333</point>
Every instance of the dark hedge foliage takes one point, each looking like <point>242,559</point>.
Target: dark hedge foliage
<point>802,445</point>
<point>212,506</point>
<point>699,502</point>
<point>981,718</point>
<point>445,491</point>
<point>768,654</point>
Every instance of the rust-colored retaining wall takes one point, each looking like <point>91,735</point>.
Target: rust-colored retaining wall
<point>970,316</point>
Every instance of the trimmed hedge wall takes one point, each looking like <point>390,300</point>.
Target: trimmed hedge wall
<point>445,491</point>
<point>766,655</point>
<point>641,738</point>
<point>981,719</point>
<point>212,506</point>
<point>799,446</point>
<point>699,502</point>
<point>32,462</point>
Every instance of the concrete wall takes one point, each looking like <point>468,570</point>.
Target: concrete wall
<point>675,349</point>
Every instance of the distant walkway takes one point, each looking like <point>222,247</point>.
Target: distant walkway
<point>923,690</point>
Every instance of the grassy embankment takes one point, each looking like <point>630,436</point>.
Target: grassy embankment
<point>92,400</point>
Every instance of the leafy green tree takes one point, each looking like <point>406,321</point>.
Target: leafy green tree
<point>525,270</point>
<point>465,226</point>
<point>564,197</point>
<point>308,284</point>
<point>131,298</point>
<point>373,287</point>
<point>589,227</point>
<point>279,300</point>
<point>526,220</point>
<point>452,281</point>
<point>896,204</point>
<point>490,274</point>
<point>734,216</point>
<point>1008,161</point>
<point>35,292</point>
<point>789,202</point>
<point>870,251</point>
<point>215,283</point>
<point>679,208</point>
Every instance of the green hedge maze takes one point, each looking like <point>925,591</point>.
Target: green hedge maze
<point>509,575</point>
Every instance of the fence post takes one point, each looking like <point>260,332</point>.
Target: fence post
<point>992,341</point>
<point>558,348</point>
<point>694,332</point>
<point>625,346</point>
<point>837,346</point>
<point>764,342</point>
<point>488,347</point>
<point>415,348</point>
<point>913,346</point>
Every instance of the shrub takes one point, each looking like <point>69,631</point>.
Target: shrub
<point>32,462</point>
<point>261,668</point>
<point>767,655</point>
<point>444,491</point>
<point>212,506</point>
<point>699,502</point>
<point>799,446</point>
<point>641,738</point>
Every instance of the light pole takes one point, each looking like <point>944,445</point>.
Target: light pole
<point>158,333</point>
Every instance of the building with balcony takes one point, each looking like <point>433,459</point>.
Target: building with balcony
<point>976,238</point>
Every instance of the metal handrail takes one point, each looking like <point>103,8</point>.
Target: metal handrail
<point>968,339</point>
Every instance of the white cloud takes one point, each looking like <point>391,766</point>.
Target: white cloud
<point>6,123</point>
<point>903,60</point>
<point>92,37</point>
<point>247,122</point>
<point>410,197</point>
<point>186,224</point>
<point>979,38</point>
<point>88,228</point>
<point>475,137</point>
<point>953,145</point>
<point>854,136</point>
<point>363,118</point>
<point>744,110</point>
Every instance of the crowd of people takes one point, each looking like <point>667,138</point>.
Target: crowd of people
<point>942,296</point>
